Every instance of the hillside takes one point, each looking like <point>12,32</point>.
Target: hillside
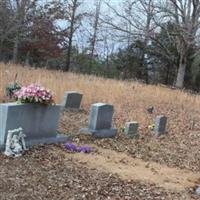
<point>179,149</point>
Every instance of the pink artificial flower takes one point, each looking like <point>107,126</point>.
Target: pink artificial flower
<point>34,93</point>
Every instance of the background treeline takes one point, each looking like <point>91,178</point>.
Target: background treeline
<point>155,41</point>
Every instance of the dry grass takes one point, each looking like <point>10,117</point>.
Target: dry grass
<point>95,88</point>
<point>180,148</point>
<point>129,98</point>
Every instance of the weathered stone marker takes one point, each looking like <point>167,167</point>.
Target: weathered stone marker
<point>101,116</point>
<point>131,129</point>
<point>39,122</point>
<point>72,100</point>
<point>100,121</point>
<point>160,124</point>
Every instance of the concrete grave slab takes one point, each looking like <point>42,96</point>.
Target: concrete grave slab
<point>39,122</point>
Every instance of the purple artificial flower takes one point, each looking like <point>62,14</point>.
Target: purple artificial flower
<point>70,146</point>
<point>85,149</point>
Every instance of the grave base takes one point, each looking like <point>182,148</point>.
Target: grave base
<point>71,109</point>
<point>133,136</point>
<point>156,133</point>
<point>50,140</point>
<point>105,133</point>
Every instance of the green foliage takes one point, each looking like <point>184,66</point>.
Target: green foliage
<point>130,62</point>
<point>164,55</point>
<point>11,88</point>
<point>194,73</point>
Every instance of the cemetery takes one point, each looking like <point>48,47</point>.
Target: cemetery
<point>85,143</point>
<point>99,99</point>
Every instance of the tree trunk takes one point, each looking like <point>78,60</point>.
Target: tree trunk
<point>107,63</point>
<point>15,49</point>
<point>68,61</point>
<point>181,72</point>
<point>1,49</point>
<point>94,37</point>
<point>71,33</point>
<point>27,61</point>
<point>166,82</point>
<point>145,69</point>
<point>146,74</point>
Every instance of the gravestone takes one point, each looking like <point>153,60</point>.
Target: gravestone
<point>39,122</point>
<point>131,129</point>
<point>72,100</point>
<point>160,124</point>
<point>100,121</point>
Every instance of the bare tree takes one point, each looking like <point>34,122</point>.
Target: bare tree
<point>95,26</point>
<point>185,14</point>
<point>22,9</point>
<point>5,20</point>
<point>74,19</point>
<point>133,21</point>
<point>108,48</point>
<point>14,16</point>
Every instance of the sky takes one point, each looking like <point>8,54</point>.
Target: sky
<point>89,5</point>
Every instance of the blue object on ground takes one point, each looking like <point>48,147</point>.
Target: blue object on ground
<point>85,149</point>
<point>70,146</point>
<point>73,147</point>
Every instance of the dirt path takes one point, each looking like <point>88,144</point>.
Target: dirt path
<point>128,168</point>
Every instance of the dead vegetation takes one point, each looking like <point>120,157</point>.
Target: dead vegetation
<point>179,148</point>
<point>44,174</point>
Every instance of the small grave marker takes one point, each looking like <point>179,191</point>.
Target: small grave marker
<point>160,124</point>
<point>72,100</point>
<point>131,129</point>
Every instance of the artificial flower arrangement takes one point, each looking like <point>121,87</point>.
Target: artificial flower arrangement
<point>74,148</point>
<point>33,93</point>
